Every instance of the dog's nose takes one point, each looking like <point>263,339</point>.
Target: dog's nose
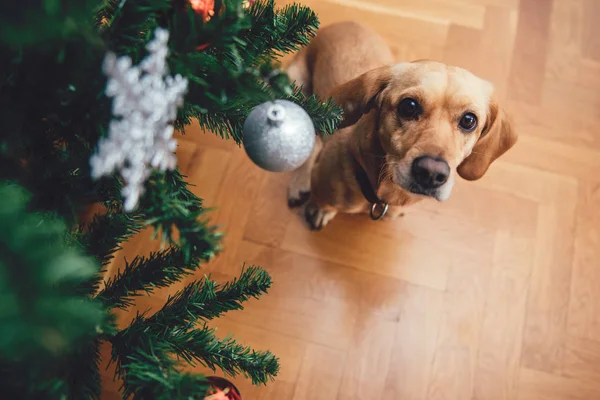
<point>429,172</point>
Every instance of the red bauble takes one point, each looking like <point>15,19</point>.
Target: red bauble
<point>206,8</point>
<point>222,389</point>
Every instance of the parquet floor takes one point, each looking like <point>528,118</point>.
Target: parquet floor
<point>494,295</point>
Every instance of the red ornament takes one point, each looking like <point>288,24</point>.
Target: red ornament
<point>222,389</point>
<point>206,8</point>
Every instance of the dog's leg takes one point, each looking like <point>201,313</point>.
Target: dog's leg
<point>317,217</point>
<point>299,188</point>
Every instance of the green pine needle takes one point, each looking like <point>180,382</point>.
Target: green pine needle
<point>103,236</point>
<point>37,316</point>
<point>202,346</point>
<point>276,32</point>
<point>144,274</point>
<point>205,299</point>
<point>150,373</point>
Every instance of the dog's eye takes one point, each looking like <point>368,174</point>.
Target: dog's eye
<point>468,122</point>
<point>409,108</point>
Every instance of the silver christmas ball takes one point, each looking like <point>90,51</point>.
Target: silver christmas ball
<point>279,136</point>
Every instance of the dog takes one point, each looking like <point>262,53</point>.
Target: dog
<point>408,128</point>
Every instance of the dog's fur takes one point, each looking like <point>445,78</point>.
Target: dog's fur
<point>353,65</point>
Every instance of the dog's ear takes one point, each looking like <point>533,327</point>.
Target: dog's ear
<point>497,137</point>
<point>358,96</point>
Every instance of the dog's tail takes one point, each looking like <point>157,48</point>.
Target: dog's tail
<point>299,71</point>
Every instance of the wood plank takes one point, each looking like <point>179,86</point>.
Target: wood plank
<point>185,155</point>
<point>566,40</point>
<point>207,174</point>
<point>584,307</point>
<point>561,96</point>
<point>270,215</point>
<point>444,11</point>
<point>499,356</point>
<point>537,385</point>
<point>455,357</point>
<point>549,292</point>
<point>320,375</point>
<point>541,123</point>
<point>342,242</point>
<point>591,42</point>
<point>528,65</point>
<point>582,360</point>
<point>320,310</point>
<point>240,181</point>
<point>461,48</point>
<point>512,4</point>
<point>497,44</point>
<point>414,346</point>
<point>368,359</point>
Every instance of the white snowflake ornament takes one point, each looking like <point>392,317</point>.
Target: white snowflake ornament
<point>140,135</point>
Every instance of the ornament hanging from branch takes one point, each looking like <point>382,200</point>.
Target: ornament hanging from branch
<point>222,389</point>
<point>140,135</point>
<point>205,8</point>
<point>279,136</point>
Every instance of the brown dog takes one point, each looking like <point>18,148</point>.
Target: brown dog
<point>408,128</point>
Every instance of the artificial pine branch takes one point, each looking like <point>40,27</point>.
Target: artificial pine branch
<point>326,115</point>
<point>106,12</point>
<point>76,376</point>
<point>103,236</point>
<point>41,317</point>
<point>195,345</point>
<point>173,326</point>
<point>132,23</point>
<point>35,22</point>
<point>206,299</point>
<point>202,346</point>
<point>35,266</point>
<point>221,105</point>
<point>82,372</point>
<point>169,204</point>
<point>160,269</point>
<point>278,31</point>
<point>150,373</point>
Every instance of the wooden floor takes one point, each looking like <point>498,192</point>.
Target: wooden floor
<point>492,295</point>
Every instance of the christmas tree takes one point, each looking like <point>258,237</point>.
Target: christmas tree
<point>90,92</point>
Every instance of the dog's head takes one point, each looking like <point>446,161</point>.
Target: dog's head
<point>434,121</point>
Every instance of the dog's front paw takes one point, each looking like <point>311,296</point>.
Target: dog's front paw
<point>299,188</point>
<point>297,198</point>
<point>317,217</point>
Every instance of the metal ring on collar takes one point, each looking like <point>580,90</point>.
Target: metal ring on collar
<point>383,211</point>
